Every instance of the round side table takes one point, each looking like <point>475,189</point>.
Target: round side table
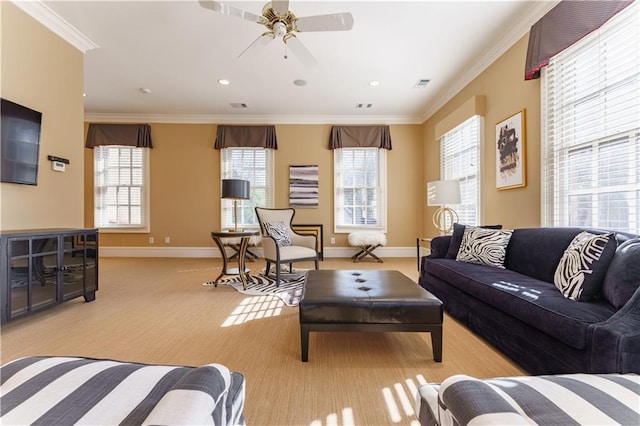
<point>241,270</point>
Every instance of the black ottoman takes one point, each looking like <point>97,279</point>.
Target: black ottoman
<point>368,301</point>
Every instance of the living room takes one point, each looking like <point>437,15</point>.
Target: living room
<point>164,319</point>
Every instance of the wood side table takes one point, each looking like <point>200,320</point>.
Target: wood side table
<point>242,271</point>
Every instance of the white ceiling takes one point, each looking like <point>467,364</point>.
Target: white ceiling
<point>179,50</point>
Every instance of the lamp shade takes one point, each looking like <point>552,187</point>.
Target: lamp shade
<point>441,192</point>
<point>236,189</point>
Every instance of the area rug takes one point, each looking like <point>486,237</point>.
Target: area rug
<point>290,290</point>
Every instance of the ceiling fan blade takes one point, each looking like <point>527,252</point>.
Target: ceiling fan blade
<point>280,6</point>
<point>332,22</point>
<point>301,52</point>
<point>258,43</point>
<point>227,9</point>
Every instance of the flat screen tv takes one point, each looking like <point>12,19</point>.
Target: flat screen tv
<point>20,143</point>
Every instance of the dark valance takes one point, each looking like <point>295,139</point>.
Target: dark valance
<point>562,26</point>
<point>138,135</point>
<point>360,137</point>
<point>246,137</point>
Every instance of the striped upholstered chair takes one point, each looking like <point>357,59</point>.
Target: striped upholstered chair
<point>281,244</point>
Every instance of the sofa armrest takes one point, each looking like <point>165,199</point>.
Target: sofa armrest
<point>615,343</point>
<point>439,247</point>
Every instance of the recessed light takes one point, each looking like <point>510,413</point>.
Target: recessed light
<point>300,82</point>
<point>374,83</point>
<point>224,82</point>
<point>145,90</point>
<point>84,95</point>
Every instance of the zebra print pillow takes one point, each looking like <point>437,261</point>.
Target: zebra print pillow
<point>279,232</point>
<point>484,246</point>
<point>580,273</point>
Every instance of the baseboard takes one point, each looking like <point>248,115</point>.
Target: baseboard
<point>214,252</point>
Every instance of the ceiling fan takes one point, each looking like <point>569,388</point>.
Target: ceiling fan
<point>283,23</point>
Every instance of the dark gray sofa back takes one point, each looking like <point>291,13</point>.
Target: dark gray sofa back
<point>536,252</point>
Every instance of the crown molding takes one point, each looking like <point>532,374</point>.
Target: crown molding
<point>54,22</point>
<point>247,119</point>
<point>535,11</point>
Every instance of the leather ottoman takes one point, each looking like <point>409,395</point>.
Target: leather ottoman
<point>376,300</point>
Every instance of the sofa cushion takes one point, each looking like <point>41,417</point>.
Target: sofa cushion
<point>484,246</point>
<point>456,238</point>
<point>582,268</point>
<point>279,232</point>
<point>623,276</point>
<point>534,302</point>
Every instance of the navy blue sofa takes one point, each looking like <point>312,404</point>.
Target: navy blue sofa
<point>520,311</point>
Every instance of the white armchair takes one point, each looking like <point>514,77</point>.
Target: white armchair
<point>280,243</point>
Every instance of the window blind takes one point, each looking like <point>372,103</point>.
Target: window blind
<point>459,155</point>
<point>360,189</point>
<point>591,129</point>
<point>256,166</point>
<point>121,187</point>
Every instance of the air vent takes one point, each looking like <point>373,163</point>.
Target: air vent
<point>238,105</point>
<point>422,83</point>
<point>364,105</point>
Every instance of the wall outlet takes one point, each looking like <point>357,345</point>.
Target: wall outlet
<point>167,240</point>
<point>151,240</point>
<point>333,240</point>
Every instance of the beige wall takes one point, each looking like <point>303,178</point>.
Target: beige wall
<point>506,92</point>
<point>185,189</point>
<point>45,73</point>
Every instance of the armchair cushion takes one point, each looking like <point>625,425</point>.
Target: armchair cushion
<point>279,232</point>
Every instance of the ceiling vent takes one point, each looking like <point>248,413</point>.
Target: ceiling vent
<point>238,105</point>
<point>364,105</point>
<point>422,83</point>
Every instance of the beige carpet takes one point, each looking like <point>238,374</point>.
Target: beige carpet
<point>157,311</point>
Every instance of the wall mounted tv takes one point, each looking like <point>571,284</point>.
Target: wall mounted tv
<point>20,140</point>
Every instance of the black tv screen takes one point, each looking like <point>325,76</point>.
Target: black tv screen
<point>20,143</point>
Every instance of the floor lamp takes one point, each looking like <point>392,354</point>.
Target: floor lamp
<point>440,193</point>
<point>235,189</point>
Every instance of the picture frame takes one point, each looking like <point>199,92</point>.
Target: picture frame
<point>511,156</point>
<point>303,186</point>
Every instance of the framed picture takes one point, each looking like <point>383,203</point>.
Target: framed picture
<point>303,186</point>
<point>511,159</point>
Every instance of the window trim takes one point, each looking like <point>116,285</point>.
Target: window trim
<point>382,193</point>
<point>270,173</point>
<point>133,229</point>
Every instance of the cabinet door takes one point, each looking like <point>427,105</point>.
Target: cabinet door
<point>18,292</point>
<point>44,272</point>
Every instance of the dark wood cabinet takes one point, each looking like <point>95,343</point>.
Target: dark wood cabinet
<point>45,267</point>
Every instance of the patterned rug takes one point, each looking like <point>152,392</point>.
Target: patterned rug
<point>290,290</point>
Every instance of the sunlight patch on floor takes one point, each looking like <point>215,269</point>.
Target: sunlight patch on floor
<point>400,400</point>
<point>254,308</point>
<point>332,419</point>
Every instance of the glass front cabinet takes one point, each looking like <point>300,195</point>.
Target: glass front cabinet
<point>43,268</point>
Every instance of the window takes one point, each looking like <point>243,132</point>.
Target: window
<point>460,153</point>
<point>591,129</point>
<point>256,166</point>
<point>360,189</point>
<point>121,188</point>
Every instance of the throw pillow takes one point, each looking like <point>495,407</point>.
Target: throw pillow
<point>279,232</point>
<point>456,239</point>
<point>484,246</point>
<point>583,265</point>
<point>622,279</point>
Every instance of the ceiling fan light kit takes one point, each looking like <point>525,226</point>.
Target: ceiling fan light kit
<point>283,23</point>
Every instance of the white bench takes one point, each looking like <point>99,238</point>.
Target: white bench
<point>367,241</point>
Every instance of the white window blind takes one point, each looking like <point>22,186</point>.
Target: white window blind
<point>460,153</point>
<point>591,129</point>
<point>121,184</point>
<point>360,189</point>
<point>256,166</point>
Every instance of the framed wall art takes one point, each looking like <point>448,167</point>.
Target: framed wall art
<point>303,186</point>
<point>511,156</point>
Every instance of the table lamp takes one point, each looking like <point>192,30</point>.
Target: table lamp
<point>440,193</point>
<point>235,189</point>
